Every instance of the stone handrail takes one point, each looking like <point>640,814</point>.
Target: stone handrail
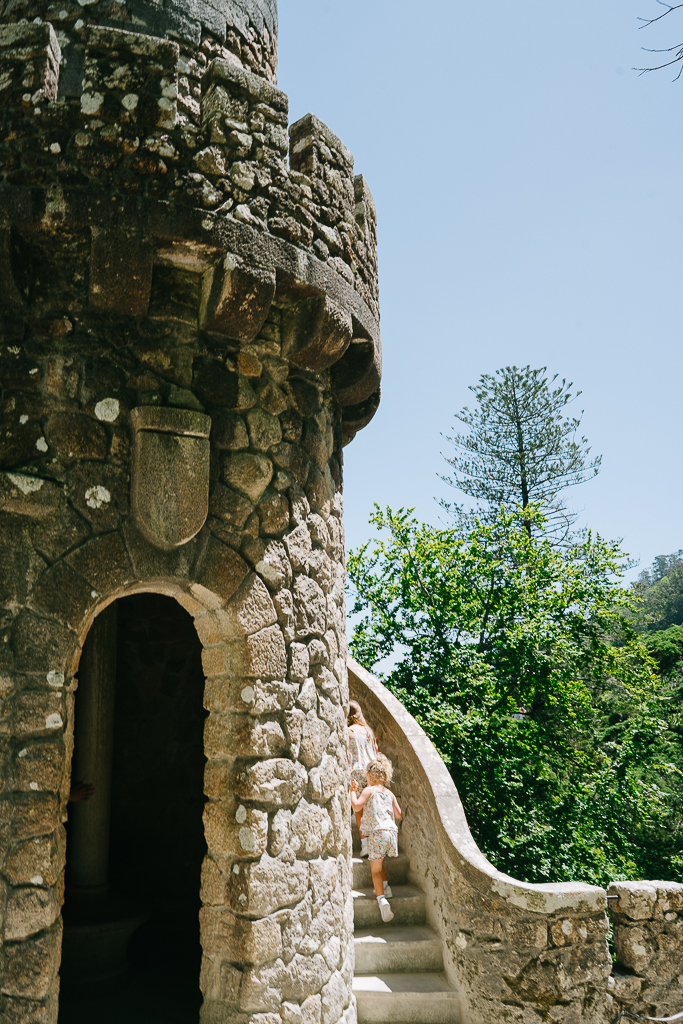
<point>427,769</point>
<point>509,947</point>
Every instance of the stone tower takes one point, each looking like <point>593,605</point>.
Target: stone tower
<point>188,337</point>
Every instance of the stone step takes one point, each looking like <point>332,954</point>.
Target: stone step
<point>395,998</point>
<point>391,948</point>
<point>408,906</point>
<point>396,868</point>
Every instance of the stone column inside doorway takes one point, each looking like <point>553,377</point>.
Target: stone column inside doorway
<point>93,745</point>
<point>97,926</point>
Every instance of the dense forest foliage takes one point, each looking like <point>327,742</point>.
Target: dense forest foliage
<point>660,589</point>
<point>552,692</point>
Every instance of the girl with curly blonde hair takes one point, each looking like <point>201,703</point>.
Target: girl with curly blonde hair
<point>380,811</point>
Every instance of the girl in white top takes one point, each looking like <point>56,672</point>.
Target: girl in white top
<point>380,811</point>
<point>362,750</point>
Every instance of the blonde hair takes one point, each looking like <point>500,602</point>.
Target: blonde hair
<point>380,768</point>
<point>356,717</point>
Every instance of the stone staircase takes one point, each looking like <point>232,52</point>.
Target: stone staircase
<point>399,977</point>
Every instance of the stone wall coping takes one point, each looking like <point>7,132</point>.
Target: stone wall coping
<point>637,900</point>
<point>32,38</point>
<point>185,422</point>
<point>448,817</point>
<point>308,129</point>
<point>108,37</point>
<point>650,884</point>
<point>222,71</point>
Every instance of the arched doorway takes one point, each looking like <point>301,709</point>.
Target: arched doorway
<point>153,717</point>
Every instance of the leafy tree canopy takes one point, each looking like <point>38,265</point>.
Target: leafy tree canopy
<point>666,647</point>
<point>520,448</point>
<point>660,589</point>
<point>499,645</point>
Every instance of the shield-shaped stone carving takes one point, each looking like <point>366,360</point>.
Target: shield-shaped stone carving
<point>170,488</point>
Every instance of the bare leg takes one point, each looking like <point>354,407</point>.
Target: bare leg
<point>359,815</point>
<point>378,875</point>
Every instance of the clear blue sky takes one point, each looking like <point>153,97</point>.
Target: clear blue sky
<point>529,190</point>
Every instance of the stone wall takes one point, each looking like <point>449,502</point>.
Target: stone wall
<point>517,952</point>
<point>648,941</point>
<point>116,203</point>
<point>264,582</point>
<point>188,336</point>
<point>242,31</point>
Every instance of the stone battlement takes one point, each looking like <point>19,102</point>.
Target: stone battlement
<point>129,173</point>
<point>228,152</point>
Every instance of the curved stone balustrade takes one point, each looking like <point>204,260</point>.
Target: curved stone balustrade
<point>515,951</point>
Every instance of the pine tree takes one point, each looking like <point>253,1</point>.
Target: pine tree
<point>520,447</point>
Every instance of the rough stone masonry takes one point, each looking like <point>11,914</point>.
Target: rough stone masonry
<point>188,336</point>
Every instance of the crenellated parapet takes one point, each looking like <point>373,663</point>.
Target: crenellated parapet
<point>149,183</point>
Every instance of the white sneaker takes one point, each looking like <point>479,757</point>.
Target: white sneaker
<point>364,846</point>
<point>385,909</point>
<point>387,891</point>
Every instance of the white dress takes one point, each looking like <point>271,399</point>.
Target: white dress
<point>362,750</point>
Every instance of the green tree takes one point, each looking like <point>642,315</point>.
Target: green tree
<point>499,644</point>
<point>520,448</point>
<point>666,647</point>
<point>660,589</point>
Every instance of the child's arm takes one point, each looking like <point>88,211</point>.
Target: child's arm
<point>359,801</point>
<point>397,810</point>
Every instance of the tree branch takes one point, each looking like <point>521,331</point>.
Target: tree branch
<point>651,21</point>
<point>658,67</point>
<point>671,49</point>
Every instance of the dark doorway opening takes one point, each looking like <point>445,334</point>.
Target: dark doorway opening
<point>156,837</point>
